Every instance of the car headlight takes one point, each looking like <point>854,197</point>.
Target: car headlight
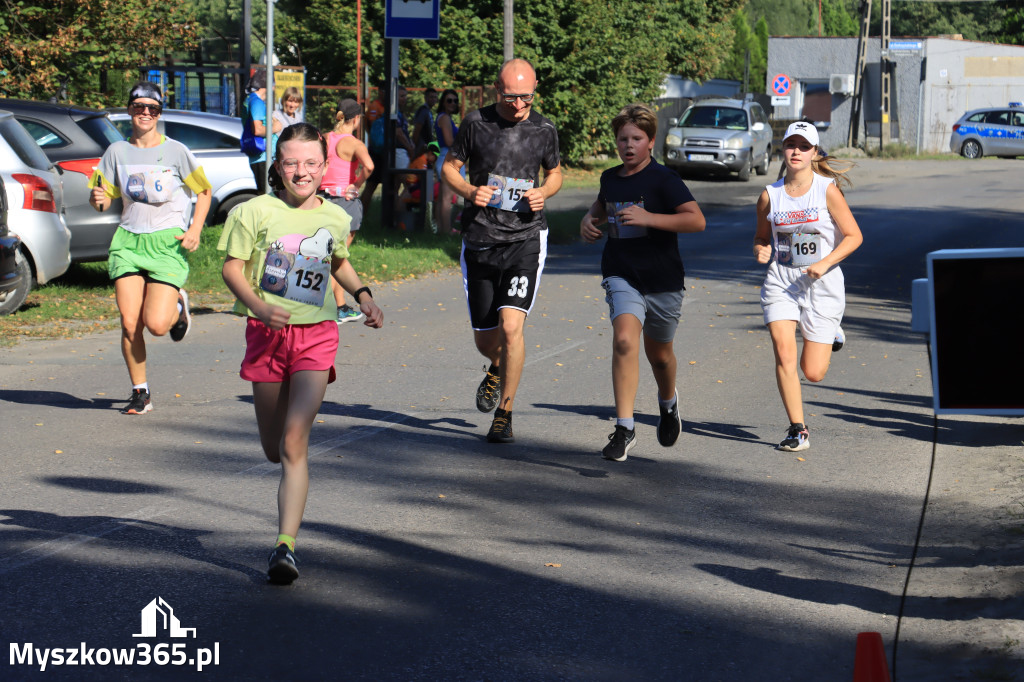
<point>673,139</point>
<point>737,142</point>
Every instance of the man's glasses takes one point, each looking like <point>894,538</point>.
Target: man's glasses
<point>312,167</point>
<point>137,108</point>
<point>511,99</point>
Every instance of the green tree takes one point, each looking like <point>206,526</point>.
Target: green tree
<point>57,48</point>
<point>745,41</point>
<point>786,17</point>
<point>836,21</point>
<point>592,56</point>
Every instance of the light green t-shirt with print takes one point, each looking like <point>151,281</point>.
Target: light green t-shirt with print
<point>287,253</point>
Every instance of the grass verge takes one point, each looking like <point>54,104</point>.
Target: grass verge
<point>81,301</point>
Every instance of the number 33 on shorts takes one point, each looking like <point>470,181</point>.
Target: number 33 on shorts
<point>519,287</point>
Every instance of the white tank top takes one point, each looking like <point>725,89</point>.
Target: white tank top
<point>802,229</point>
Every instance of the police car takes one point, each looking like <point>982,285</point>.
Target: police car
<point>998,131</point>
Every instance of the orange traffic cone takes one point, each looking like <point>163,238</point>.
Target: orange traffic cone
<point>870,664</point>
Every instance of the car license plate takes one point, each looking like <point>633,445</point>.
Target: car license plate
<point>702,157</point>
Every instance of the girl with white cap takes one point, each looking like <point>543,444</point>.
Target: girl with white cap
<point>804,230</point>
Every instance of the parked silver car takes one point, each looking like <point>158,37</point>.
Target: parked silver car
<point>720,135</point>
<point>994,131</point>
<point>214,139</point>
<point>74,138</point>
<point>34,211</point>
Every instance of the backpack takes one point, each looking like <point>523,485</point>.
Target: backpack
<point>377,133</point>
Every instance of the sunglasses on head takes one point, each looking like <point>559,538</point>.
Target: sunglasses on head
<point>137,108</point>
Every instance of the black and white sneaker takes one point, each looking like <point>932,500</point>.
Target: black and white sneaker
<point>281,568</point>
<point>488,392</point>
<point>139,403</point>
<point>670,424</point>
<point>501,428</point>
<point>840,339</point>
<point>797,439</point>
<point>184,323</point>
<point>619,443</point>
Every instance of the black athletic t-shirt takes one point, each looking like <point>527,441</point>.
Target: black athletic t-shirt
<point>489,144</point>
<point>647,258</point>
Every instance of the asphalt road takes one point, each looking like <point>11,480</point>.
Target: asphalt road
<point>428,554</point>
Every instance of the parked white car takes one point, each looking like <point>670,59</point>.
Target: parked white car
<point>720,135</point>
<point>35,211</point>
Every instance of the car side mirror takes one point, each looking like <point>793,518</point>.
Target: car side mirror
<point>673,122</point>
<point>757,127</point>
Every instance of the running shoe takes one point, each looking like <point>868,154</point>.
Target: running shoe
<point>488,391</point>
<point>281,568</point>
<point>184,323</point>
<point>670,424</point>
<point>620,442</point>
<point>139,403</point>
<point>797,439</point>
<point>840,339</point>
<point>501,428</point>
<point>347,313</point>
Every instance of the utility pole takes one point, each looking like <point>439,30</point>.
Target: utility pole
<point>885,65</point>
<point>509,36</point>
<point>858,74</point>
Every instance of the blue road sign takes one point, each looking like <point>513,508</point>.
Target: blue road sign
<point>418,19</point>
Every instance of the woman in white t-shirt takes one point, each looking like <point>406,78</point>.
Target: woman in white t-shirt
<point>804,216</point>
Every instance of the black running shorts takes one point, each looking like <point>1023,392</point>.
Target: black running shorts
<point>502,276</point>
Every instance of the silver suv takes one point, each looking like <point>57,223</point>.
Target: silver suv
<point>720,135</point>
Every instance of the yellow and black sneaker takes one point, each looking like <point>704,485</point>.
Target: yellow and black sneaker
<point>501,428</point>
<point>489,390</point>
<point>281,568</point>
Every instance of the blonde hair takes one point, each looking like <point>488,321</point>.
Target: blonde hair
<point>831,167</point>
<point>640,115</point>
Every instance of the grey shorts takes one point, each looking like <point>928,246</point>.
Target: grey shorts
<point>354,208</point>
<point>658,313</point>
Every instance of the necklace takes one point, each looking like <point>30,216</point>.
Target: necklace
<point>792,188</point>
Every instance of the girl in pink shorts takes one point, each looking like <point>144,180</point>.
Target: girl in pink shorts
<point>283,250</point>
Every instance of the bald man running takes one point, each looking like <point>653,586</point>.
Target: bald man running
<point>504,231</point>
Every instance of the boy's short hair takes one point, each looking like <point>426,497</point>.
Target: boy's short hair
<point>640,115</point>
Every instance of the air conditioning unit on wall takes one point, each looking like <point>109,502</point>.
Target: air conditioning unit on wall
<point>840,84</point>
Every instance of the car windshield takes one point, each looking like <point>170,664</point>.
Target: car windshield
<point>715,117</point>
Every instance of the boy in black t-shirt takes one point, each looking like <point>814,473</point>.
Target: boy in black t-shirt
<point>645,205</point>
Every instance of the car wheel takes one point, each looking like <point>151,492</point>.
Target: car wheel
<point>232,201</point>
<point>744,173</point>
<point>12,300</point>
<point>971,149</point>
<point>762,169</point>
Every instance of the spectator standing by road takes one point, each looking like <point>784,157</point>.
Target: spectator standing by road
<point>647,206</point>
<point>504,229</point>
<point>348,166</point>
<point>423,122</point>
<point>446,131</point>
<point>254,128</point>
<point>291,102</point>
<point>281,250</point>
<point>155,177</point>
<point>804,216</point>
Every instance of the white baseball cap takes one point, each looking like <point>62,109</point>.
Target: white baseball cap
<point>804,130</point>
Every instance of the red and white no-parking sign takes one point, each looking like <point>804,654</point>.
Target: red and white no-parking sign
<point>780,86</point>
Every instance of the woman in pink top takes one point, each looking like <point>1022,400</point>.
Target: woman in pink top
<point>348,166</point>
